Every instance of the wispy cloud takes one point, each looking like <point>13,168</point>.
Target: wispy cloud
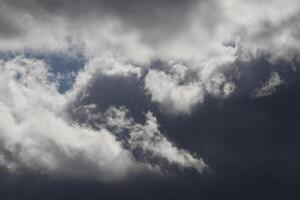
<point>269,87</point>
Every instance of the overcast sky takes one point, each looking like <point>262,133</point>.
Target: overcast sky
<point>149,99</point>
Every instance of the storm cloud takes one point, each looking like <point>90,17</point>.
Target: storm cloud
<point>177,93</point>
<point>205,37</point>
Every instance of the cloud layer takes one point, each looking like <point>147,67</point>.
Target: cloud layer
<point>141,58</point>
<point>206,37</point>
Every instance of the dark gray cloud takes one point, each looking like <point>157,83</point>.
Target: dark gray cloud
<point>110,123</point>
<point>250,144</point>
<point>194,30</point>
<point>164,18</point>
<point>8,27</point>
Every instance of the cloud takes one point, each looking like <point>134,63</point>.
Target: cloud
<point>269,87</point>
<point>145,30</point>
<point>149,140</point>
<point>143,14</point>
<point>198,44</point>
<point>217,63</point>
<point>37,134</point>
<point>207,37</point>
<point>174,98</point>
<point>178,93</point>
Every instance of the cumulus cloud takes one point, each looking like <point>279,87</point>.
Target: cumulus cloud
<point>148,139</point>
<point>145,30</point>
<point>207,36</point>
<point>107,66</point>
<point>175,98</point>
<point>178,93</point>
<point>197,43</point>
<point>37,134</point>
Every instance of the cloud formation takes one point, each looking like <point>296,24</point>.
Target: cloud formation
<point>36,133</point>
<point>206,36</point>
<point>176,54</point>
<point>269,87</point>
<point>145,30</point>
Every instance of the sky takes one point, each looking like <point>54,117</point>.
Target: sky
<point>149,99</point>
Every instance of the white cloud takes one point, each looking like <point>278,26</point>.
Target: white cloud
<point>36,133</point>
<point>200,35</point>
<point>178,94</point>
<point>33,128</point>
<point>210,37</point>
<point>148,138</point>
<point>269,87</point>
<point>175,98</point>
